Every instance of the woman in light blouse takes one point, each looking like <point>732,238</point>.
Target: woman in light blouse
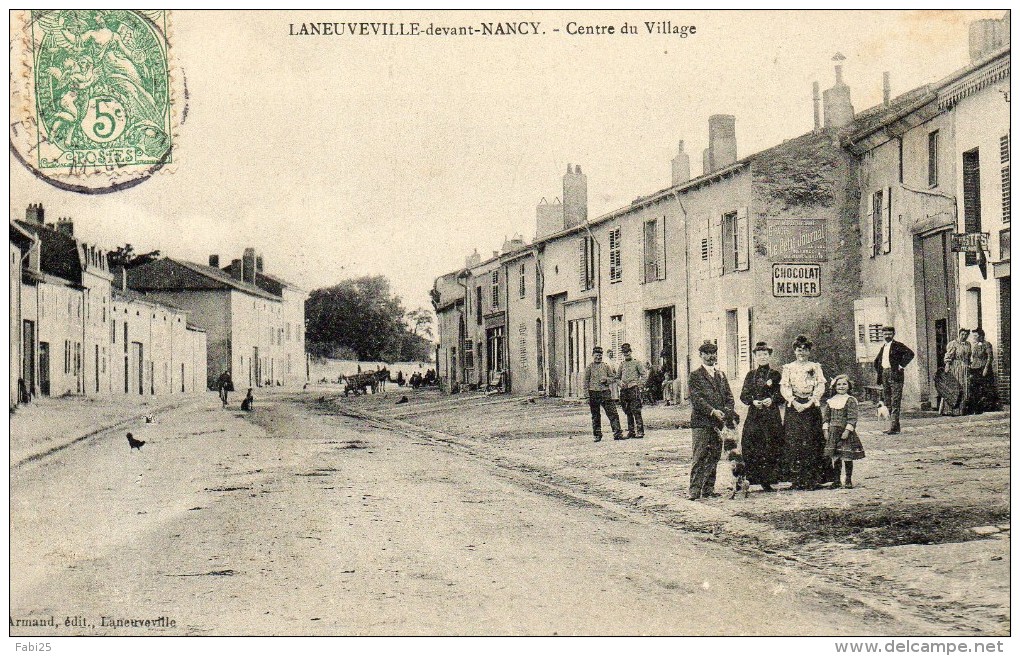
<point>803,385</point>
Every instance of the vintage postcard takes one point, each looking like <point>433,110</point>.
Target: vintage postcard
<point>511,323</point>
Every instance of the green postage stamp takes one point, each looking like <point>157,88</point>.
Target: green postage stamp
<point>93,97</point>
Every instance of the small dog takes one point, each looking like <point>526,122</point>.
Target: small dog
<point>133,443</point>
<point>883,412</point>
<point>733,454</point>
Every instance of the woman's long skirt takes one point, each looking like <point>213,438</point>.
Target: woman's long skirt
<point>806,465</point>
<point>761,443</point>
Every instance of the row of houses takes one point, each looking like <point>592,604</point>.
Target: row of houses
<point>897,215</point>
<point>79,326</point>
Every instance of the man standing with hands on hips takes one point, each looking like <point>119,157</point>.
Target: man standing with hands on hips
<point>892,359</point>
<point>633,375</point>
<point>596,384</point>
<point>711,404</point>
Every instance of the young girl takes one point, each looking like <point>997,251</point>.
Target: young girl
<point>839,420</point>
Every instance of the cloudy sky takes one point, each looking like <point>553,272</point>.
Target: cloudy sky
<point>340,156</point>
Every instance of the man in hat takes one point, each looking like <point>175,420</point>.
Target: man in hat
<point>711,404</point>
<point>633,375</point>
<point>597,379</point>
<point>892,359</point>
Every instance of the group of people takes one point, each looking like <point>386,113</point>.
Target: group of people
<point>969,362</point>
<point>813,442</point>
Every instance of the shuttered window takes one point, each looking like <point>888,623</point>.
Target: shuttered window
<point>522,287</point>
<point>971,197</point>
<point>933,158</point>
<point>735,241</point>
<point>615,256</point>
<point>655,250</point>
<point>495,289</point>
<point>1004,160</point>
<point>876,223</point>
<point>586,263</point>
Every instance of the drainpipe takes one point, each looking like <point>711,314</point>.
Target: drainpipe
<point>545,329</point>
<point>460,345</point>
<point>598,282</point>
<point>687,281</point>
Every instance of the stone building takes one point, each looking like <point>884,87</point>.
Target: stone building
<point>21,243</point>
<point>933,170</point>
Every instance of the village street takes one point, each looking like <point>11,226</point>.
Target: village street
<point>295,520</point>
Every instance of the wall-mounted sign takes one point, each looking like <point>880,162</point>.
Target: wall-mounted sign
<point>797,240</point>
<point>796,280</point>
<point>970,242</point>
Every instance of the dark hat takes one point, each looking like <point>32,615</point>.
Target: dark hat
<point>625,347</point>
<point>708,347</point>
<point>889,327</point>
<point>803,341</point>
<point>762,346</point>
<point>597,349</point>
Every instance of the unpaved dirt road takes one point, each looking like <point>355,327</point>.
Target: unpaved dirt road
<point>292,522</point>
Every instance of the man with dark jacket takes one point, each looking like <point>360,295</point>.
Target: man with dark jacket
<point>596,385</point>
<point>711,406</point>
<point>892,359</point>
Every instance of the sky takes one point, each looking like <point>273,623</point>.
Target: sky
<point>341,156</point>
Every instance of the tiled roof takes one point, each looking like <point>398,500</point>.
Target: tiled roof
<point>59,255</point>
<point>168,274</point>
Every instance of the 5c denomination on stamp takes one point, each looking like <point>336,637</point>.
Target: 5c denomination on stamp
<point>93,96</point>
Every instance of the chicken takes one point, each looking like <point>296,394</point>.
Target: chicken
<point>133,443</point>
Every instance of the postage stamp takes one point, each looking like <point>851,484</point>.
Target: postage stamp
<point>93,97</point>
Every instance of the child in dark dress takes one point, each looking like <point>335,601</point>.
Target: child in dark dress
<point>839,420</point>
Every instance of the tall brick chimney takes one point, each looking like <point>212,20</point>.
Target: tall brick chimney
<point>575,197</point>
<point>35,214</point>
<point>248,266</point>
<point>722,142</point>
<point>839,112</point>
<point>235,270</point>
<point>548,217</point>
<point>987,36</point>
<point>214,261</point>
<point>681,166</point>
<point>258,263</point>
<point>65,225</point>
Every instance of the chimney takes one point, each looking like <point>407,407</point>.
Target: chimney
<point>722,142</point>
<point>839,112</point>
<point>495,253</point>
<point>987,36</point>
<point>681,167</point>
<point>817,99</point>
<point>575,197</point>
<point>258,263</point>
<point>472,260</point>
<point>548,217</point>
<point>35,214</point>
<point>248,265</point>
<point>886,89</point>
<point>214,261</point>
<point>65,225</point>
<point>235,270</point>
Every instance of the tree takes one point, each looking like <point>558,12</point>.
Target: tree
<point>125,257</point>
<point>360,314</point>
<point>421,319</point>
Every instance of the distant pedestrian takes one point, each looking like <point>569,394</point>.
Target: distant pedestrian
<point>839,421</point>
<point>711,407</point>
<point>982,386</point>
<point>892,359</point>
<point>633,375</point>
<point>958,366</point>
<point>224,385</point>
<point>669,383</point>
<point>761,442</point>
<point>803,385</point>
<point>596,385</point>
<point>249,401</point>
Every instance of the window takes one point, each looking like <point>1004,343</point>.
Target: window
<point>876,222</point>
<point>539,283</point>
<point>522,289</point>
<point>876,225</point>
<point>113,331</point>
<point>933,158</point>
<point>735,241</point>
<point>495,289</point>
<point>586,265</point>
<point>469,354</point>
<point>615,260</point>
<point>616,335</point>
<point>1004,160</point>
<point>1004,244</point>
<point>971,197</point>
<point>478,304</point>
<point>288,339</point>
<point>655,250</point>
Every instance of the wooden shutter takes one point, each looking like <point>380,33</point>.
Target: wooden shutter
<point>582,273</point>
<point>743,240</point>
<point>743,341</point>
<point>716,245</point>
<point>868,227</point>
<point>660,260</point>
<point>887,219</point>
<point>651,254</point>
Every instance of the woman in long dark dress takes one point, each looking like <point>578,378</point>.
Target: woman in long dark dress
<point>803,385</point>
<point>762,439</point>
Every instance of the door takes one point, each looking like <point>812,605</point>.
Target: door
<point>937,297</point>
<point>138,366</point>
<point>660,340</point>
<point>28,364</point>
<point>557,346</point>
<point>44,368</point>
<point>577,355</point>
<point>258,368</point>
